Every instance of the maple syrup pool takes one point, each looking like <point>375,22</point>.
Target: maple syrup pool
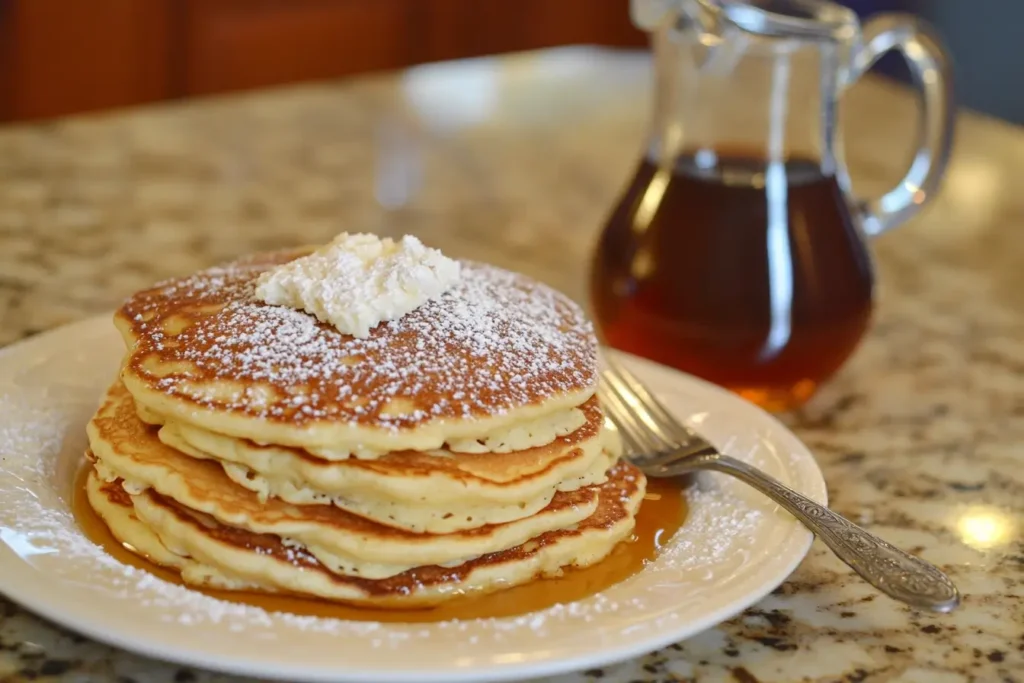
<point>661,514</point>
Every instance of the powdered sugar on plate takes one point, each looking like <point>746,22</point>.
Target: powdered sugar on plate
<point>731,550</point>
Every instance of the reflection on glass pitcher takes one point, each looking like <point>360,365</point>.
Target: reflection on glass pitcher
<point>737,252</point>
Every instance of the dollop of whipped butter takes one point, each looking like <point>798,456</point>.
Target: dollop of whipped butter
<point>358,281</point>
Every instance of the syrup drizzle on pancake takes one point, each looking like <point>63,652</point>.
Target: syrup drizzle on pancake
<point>661,515</point>
<point>623,485</point>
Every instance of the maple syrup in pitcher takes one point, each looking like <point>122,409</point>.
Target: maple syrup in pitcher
<point>695,290</point>
<point>736,252</point>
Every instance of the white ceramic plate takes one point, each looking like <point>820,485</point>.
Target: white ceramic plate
<point>734,548</point>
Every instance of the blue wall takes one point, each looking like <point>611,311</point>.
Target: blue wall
<point>986,38</point>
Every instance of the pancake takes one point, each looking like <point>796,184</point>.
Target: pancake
<point>114,506</point>
<point>417,492</point>
<point>425,515</point>
<point>264,560</point>
<point>495,350</point>
<point>450,478</point>
<point>518,437</point>
<point>127,449</point>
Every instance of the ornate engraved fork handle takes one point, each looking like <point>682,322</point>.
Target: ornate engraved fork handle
<point>894,572</point>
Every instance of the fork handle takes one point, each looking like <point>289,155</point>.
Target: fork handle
<point>887,568</point>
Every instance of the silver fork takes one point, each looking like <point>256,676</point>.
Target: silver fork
<point>661,446</point>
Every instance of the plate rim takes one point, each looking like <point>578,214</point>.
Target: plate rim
<point>58,614</point>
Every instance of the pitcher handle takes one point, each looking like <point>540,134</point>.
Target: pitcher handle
<point>930,66</point>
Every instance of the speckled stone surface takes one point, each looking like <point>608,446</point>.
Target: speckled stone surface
<point>515,161</point>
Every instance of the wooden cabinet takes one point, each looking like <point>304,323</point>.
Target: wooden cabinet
<point>64,56</point>
<point>61,56</point>
<point>465,28</point>
<point>232,44</point>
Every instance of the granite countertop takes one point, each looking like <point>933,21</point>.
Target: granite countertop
<point>515,161</point>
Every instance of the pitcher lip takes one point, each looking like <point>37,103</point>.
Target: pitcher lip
<point>815,20</point>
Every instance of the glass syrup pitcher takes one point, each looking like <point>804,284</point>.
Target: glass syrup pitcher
<point>737,252</point>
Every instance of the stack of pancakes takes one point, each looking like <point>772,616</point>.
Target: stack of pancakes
<point>458,449</point>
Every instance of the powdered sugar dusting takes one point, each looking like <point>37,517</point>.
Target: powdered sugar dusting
<point>495,341</point>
